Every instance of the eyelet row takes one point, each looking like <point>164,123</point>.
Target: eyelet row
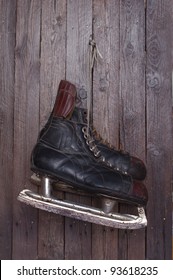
<point>90,142</point>
<point>97,153</point>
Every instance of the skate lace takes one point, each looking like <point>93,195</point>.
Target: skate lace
<point>91,135</point>
<point>91,142</point>
<point>98,137</point>
<point>94,55</point>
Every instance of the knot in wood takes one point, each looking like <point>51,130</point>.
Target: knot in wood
<point>103,84</point>
<point>153,80</point>
<point>129,49</point>
<point>82,93</point>
<point>154,52</point>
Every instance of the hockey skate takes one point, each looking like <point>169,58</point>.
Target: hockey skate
<point>66,153</point>
<point>117,159</point>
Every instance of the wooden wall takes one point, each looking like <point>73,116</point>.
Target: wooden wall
<point>44,41</point>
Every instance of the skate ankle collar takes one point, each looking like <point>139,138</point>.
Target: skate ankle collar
<point>65,100</point>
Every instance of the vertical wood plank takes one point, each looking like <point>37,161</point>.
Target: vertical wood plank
<point>26,120</point>
<point>53,52</point>
<point>105,103</point>
<point>79,29</point>
<point>132,104</point>
<point>159,128</point>
<point>119,101</point>
<point>7,43</point>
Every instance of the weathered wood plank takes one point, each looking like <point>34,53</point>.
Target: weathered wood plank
<point>105,103</point>
<point>53,52</point>
<point>51,236</point>
<point>119,101</point>
<point>8,16</point>
<point>26,121</point>
<point>159,128</point>
<point>79,29</point>
<point>132,104</point>
<point>7,43</point>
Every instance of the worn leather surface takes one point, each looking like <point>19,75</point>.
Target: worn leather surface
<point>65,99</point>
<point>118,159</point>
<point>62,153</point>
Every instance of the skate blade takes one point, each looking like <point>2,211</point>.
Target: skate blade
<point>84,213</point>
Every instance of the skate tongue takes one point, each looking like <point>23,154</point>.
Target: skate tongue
<point>79,115</point>
<point>65,100</point>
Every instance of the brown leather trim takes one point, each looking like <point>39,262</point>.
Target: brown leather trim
<point>65,100</point>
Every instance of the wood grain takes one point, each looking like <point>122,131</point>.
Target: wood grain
<point>43,42</point>
<point>79,29</point>
<point>159,129</point>
<point>26,122</point>
<point>132,104</point>
<point>105,103</point>
<point>7,43</point>
<point>53,52</point>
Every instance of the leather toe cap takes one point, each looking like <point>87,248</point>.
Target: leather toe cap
<point>137,169</point>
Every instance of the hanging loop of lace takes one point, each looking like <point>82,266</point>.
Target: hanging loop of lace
<point>94,54</point>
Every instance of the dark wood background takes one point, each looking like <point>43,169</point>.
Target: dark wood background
<point>42,42</point>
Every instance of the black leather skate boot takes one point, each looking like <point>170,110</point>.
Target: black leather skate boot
<point>65,151</point>
<point>119,160</point>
